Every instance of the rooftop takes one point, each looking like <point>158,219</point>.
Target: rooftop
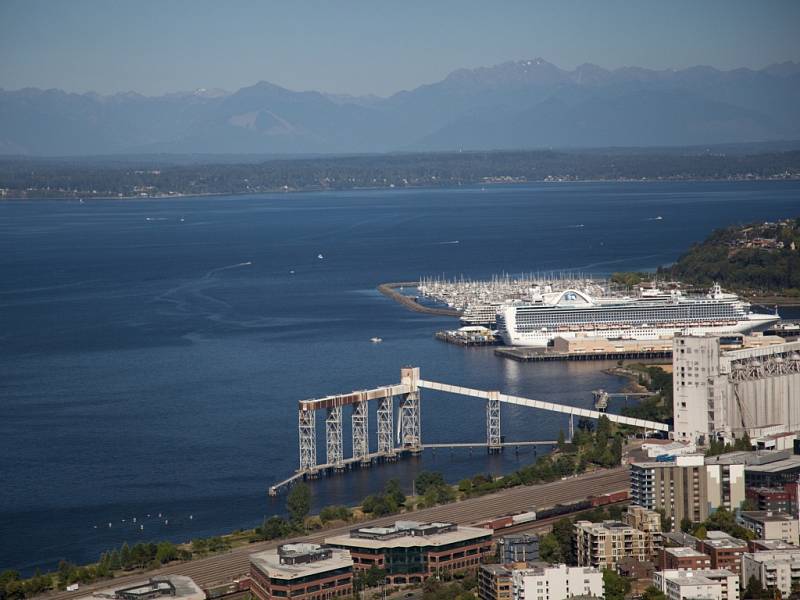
<point>751,458</point>
<point>271,563</point>
<point>776,557</point>
<point>409,534</point>
<point>722,543</point>
<point>690,577</point>
<point>684,552</point>
<point>184,587</point>
<point>774,545</point>
<point>605,525</point>
<point>679,538</point>
<point>766,516</point>
<point>792,462</point>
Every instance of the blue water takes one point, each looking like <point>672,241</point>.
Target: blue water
<point>152,352</point>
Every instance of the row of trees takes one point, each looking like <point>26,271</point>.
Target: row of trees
<point>39,178</point>
<point>13,587</point>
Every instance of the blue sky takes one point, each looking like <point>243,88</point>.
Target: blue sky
<point>379,47</point>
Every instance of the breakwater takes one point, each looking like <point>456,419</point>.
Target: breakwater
<point>390,291</point>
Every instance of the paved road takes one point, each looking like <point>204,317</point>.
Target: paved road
<point>225,567</point>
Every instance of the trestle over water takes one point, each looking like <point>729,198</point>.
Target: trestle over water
<point>408,439</point>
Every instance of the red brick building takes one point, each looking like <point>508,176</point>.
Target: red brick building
<point>682,558</point>
<point>301,572</point>
<point>725,551</point>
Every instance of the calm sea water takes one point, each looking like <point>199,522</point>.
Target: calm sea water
<point>152,352</point>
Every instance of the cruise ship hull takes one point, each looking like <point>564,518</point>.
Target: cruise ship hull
<point>542,338</point>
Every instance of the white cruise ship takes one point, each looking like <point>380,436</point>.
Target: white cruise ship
<point>573,313</point>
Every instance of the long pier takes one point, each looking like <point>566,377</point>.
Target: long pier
<point>406,437</point>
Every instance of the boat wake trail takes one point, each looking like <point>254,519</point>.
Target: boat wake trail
<point>212,272</point>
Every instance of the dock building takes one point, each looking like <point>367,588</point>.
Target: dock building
<point>410,551</point>
<point>301,571</point>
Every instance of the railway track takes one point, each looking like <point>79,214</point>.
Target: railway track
<point>222,568</point>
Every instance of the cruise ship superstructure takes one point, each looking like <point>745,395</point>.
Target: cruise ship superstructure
<point>653,315</point>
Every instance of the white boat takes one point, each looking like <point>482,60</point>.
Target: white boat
<point>376,340</point>
<point>319,256</point>
<point>650,317</point>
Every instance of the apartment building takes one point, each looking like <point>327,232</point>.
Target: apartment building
<point>603,545</point>
<point>557,582</point>
<point>715,584</point>
<point>647,521</point>
<point>682,558</point>
<point>778,569</point>
<point>768,525</point>
<point>725,551</point>
<point>495,582</point>
<point>686,487</point>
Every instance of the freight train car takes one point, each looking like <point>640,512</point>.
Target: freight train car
<point>608,498</point>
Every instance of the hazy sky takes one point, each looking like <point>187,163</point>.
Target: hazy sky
<point>376,46</point>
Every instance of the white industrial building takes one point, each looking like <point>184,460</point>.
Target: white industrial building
<point>723,393</point>
<point>555,582</point>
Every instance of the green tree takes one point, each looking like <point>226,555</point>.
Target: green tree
<point>465,486</point>
<point>563,530</point>
<point>166,552</point>
<point>298,504</point>
<point>392,490</point>
<point>428,479</point>
<point>653,593</point>
<point>125,557</point>
<point>114,560</point>
<point>615,585</point>
<point>550,549</point>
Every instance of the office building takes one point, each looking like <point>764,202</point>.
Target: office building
<point>410,552</point>
<point>686,487</point>
<point>303,571</point>
<point>768,525</point>
<point>723,394</point>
